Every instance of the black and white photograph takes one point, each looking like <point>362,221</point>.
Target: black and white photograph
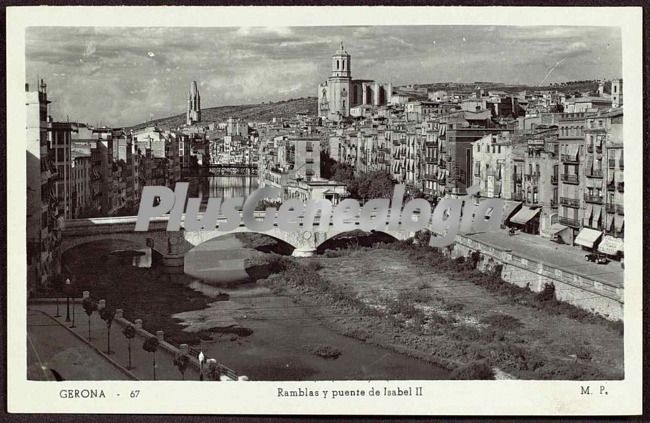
<point>311,203</point>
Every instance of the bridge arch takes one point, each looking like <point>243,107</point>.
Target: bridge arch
<point>360,237</point>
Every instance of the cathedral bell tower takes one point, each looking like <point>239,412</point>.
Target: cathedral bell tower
<point>341,64</point>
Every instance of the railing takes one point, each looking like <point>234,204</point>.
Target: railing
<point>570,202</point>
<point>570,178</point>
<point>619,209</point>
<point>517,178</point>
<point>599,149</point>
<point>611,187</point>
<point>430,177</point>
<point>620,164</point>
<point>593,199</point>
<point>517,196</point>
<point>570,221</point>
<point>532,176</point>
<point>554,203</point>
<point>569,158</point>
<point>554,179</point>
<point>620,186</point>
<point>612,163</point>
<point>610,208</point>
<point>590,149</point>
<point>594,173</point>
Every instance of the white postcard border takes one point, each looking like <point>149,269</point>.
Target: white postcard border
<point>440,397</point>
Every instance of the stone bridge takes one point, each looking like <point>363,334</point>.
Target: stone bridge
<point>173,245</point>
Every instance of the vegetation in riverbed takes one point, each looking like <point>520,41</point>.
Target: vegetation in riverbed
<point>415,321</point>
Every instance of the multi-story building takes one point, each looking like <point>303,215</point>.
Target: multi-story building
<point>43,223</point>
<point>81,172</point>
<point>60,135</point>
<point>571,183</point>
<point>604,184</point>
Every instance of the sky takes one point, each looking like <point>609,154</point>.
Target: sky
<point>119,76</point>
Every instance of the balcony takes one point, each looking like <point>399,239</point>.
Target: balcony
<point>532,176</point>
<point>620,164</point>
<point>554,203</point>
<point>619,209</point>
<point>575,223</point>
<point>612,163</point>
<point>570,202</point>
<point>594,173</point>
<point>517,196</point>
<point>566,158</point>
<point>620,187</point>
<point>570,179</point>
<point>610,208</point>
<point>430,177</point>
<point>590,149</point>
<point>517,178</point>
<point>553,179</point>
<point>599,149</point>
<point>309,161</point>
<point>596,199</point>
<point>611,187</point>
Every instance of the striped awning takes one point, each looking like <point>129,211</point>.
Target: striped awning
<point>610,245</point>
<point>524,215</point>
<point>587,216</point>
<point>588,237</point>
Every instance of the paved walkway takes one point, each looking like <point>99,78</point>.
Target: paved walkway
<point>560,256</point>
<point>141,360</point>
<point>51,346</point>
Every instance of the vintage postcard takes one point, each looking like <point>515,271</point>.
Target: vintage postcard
<point>324,210</point>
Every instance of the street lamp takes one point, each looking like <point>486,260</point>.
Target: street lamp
<point>67,299</point>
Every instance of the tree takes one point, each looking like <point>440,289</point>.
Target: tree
<point>129,333</point>
<point>181,360</point>
<point>89,306</point>
<point>380,185</point>
<point>108,314</point>
<point>151,345</point>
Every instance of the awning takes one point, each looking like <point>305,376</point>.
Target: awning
<point>596,218</point>
<point>556,228</point>
<point>610,245</point>
<point>509,208</point>
<point>587,216</point>
<point>524,215</point>
<point>618,223</point>
<point>587,237</point>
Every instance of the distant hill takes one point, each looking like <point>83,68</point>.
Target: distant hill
<point>248,112</point>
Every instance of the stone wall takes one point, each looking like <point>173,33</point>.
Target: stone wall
<point>587,294</point>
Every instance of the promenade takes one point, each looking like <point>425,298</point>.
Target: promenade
<point>565,257</point>
<point>52,342</point>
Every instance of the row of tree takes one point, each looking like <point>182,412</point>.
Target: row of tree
<point>151,344</point>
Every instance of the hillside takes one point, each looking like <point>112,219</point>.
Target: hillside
<point>248,112</point>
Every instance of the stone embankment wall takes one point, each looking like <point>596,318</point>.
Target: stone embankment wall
<point>579,290</point>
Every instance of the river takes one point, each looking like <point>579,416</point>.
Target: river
<point>276,337</point>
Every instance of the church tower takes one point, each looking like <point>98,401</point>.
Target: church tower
<point>341,64</point>
<point>193,104</point>
<point>339,85</point>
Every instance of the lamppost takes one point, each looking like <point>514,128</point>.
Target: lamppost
<point>67,299</point>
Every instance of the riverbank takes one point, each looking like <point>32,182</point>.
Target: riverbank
<point>417,302</point>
